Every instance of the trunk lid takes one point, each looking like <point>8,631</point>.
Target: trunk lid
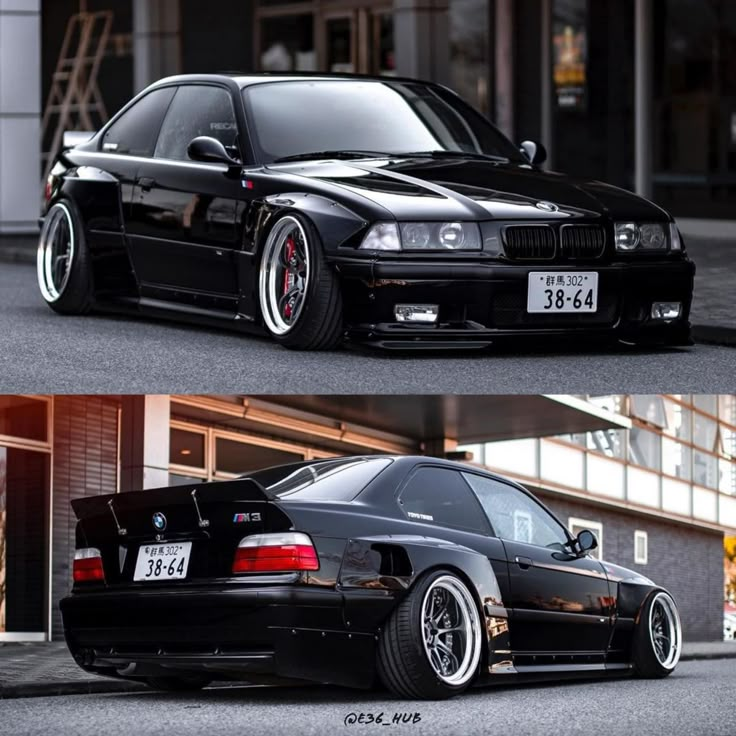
<point>212,517</point>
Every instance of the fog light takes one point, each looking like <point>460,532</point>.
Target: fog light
<point>426,313</point>
<point>666,310</point>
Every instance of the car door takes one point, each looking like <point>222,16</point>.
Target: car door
<point>182,227</point>
<point>560,602</point>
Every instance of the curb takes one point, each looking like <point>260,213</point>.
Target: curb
<point>708,656</point>
<point>72,687</point>
<point>714,335</point>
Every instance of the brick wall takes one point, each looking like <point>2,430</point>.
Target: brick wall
<point>85,464</point>
<point>686,561</point>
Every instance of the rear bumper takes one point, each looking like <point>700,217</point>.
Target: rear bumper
<point>481,302</point>
<point>229,632</point>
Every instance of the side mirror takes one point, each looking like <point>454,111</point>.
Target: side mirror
<point>210,150</point>
<point>535,152</point>
<point>586,541</point>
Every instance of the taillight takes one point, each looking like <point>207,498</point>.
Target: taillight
<point>88,565</point>
<point>275,553</point>
<point>49,188</point>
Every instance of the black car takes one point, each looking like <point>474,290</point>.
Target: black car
<point>318,207</point>
<point>424,574</point>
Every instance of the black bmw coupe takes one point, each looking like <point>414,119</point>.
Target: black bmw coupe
<point>314,208</point>
<point>426,575</point>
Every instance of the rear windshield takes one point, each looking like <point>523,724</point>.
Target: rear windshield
<point>341,479</point>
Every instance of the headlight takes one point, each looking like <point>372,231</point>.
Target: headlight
<point>382,236</point>
<point>643,236</point>
<point>423,236</point>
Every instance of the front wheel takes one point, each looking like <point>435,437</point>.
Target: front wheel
<point>299,293</point>
<point>432,643</point>
<point>657,637</point>
<point>62,263</point>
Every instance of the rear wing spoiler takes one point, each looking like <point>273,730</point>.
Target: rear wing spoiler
<point>241,489</point>
<point>74,138</point>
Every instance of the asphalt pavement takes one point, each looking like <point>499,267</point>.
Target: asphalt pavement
<point>697,699</point>
<point>43,351</point>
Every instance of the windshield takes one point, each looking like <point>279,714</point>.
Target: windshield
<point>341,479</point>
<point>381,117</point>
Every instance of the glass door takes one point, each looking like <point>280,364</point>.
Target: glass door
<point>23,541</point>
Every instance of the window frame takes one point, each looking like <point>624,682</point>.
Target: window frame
<point>524,492</point>
<point>643,535</point>
<point>594,526</point>
<point>239,127</point>
<point>124,111</point>
<point>489,531</point>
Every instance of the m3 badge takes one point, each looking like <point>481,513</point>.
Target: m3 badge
<point>243,518</point>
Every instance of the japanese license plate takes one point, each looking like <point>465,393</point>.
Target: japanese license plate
<point>562,291</point>
<point>162,561</point>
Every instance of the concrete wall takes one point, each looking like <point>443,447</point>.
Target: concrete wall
<point>20,115</point>
<point>685,560</point>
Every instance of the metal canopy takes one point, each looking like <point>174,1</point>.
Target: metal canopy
<point>407,419</point>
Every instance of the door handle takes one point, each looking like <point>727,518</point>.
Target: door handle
<point>524,562</point>
<point>146,183</point>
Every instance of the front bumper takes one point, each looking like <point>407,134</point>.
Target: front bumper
<point>482,302</point>
<point>229,631</point>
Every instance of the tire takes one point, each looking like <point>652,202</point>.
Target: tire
<point>293,263</point>
<point>405,663</point>
<point>657,641</point>
<point>63,266</point>
<point>173,684</point>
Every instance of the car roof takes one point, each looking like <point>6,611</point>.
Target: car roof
<point>248,79</point>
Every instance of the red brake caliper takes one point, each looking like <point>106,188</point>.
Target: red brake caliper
<point>289,276</point>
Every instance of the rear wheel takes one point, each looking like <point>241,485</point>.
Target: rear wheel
<point>173,684</point>
<point>432,643</point>
<point>299,293</point>
<point>657,637</point>
<point>62,262</point>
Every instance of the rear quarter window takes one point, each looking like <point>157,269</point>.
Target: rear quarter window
<point>441,496</point>
<point>134,133</point>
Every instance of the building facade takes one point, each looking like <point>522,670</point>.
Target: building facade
<point>639,93</point>
<point>659,502</point>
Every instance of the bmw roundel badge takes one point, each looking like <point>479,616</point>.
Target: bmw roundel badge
<point>547,206</point>
<point>159,521</point>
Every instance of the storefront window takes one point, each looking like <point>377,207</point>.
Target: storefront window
<point>384,57</point>
<point>23,418</point>
<point>676,459</point>
<point>234,457</point>
<point>678,420</point>
<point>705,469</point>
<point>287,44</point>
<point>609,442</point>
<point>704,432</point>
<point>645,448</point>
<point>187,448</point>
<point>695,100</point>
<point>649,408</point>
<point>24,485</point>
<point>469,51</point>
<point>706,402</point>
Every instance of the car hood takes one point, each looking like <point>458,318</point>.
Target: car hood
<point>424,188</point>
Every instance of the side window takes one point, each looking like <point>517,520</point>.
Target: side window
<point>134,132</point>
<point>197,110</point>
<point>516,516</point>
<point>440,496</point>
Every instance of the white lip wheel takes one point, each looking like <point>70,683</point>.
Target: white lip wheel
<point>451,631</point>
<point>56,249</point>
<point>665,630</point>
<point>284,275</point>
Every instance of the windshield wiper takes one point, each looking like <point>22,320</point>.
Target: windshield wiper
<point>440,153</point>
<point>346,154</point>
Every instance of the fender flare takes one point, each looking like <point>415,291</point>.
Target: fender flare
<point>393,564</point>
